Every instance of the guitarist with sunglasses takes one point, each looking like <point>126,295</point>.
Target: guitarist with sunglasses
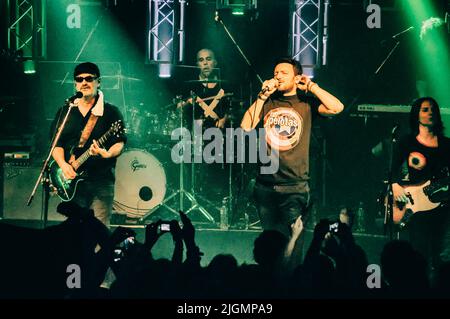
<point>91,141</point>
<point>420,165</point>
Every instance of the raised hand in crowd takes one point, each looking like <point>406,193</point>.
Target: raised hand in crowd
<point>296,231</point>
<point>193,252</point>
<point>120,234</point>
<point>151,234</point>
<point>188,230</point>
<point>177,236</point>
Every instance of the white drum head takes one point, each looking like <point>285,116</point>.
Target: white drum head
<point>140,183</point>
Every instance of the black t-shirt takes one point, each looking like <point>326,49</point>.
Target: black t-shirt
<point>96,167</point>
<point>414,162</point>
<point>287,121</point>
<point>221,108</point>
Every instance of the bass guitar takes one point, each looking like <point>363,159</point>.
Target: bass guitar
<point>421,198</point>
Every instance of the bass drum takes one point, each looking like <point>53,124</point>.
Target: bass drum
<point>140,183</point>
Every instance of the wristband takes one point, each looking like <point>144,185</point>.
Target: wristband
<point>262,97</point>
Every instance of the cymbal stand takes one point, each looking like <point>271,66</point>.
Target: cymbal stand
<point>182,192</point>
<point>231,198</point>
<point>192,196</point>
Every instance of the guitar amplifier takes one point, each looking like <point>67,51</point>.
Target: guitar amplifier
<point>17,159</point>
<point>18,185</point>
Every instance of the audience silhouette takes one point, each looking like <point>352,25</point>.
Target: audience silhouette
<point>36,264</point>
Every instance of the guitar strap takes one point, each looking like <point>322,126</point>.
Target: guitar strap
<point>85,133</point>
<point>87,130</point>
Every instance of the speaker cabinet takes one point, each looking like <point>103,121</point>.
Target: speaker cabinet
<point>18,185</point>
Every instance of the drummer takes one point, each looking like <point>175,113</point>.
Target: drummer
<point>210,112</point>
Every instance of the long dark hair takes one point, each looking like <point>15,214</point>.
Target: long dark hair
<point>438,127</point>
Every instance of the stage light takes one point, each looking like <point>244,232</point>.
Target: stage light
<point>430,48</point>
<point>238,7</point>
<point>309,34</point>
<point>165,34</point>
<point>238,11</point>
<point>164,70</point>
<point>29,67</point>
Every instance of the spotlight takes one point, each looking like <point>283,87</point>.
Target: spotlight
<point>29,67</point>
<point>164,70</point>
<point>238,7</point>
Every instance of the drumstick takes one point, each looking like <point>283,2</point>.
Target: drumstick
<point>183,103</point>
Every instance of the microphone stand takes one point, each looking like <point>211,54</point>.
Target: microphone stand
<point>397,43</point>
<point>377,71</point>
<point>247,61</point>
<point>44,177</point>
<point>219,19</point>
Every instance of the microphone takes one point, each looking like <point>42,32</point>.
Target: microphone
<point>268,88</point>
<point>74,97</point>
<point>216,16</point>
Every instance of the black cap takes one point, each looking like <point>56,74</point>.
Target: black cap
<point>86,67</point>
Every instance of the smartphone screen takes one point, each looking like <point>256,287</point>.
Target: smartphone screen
<point>164,227</point>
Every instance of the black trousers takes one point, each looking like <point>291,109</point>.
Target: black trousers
<point>278,208</point>
<point>429,233</point>
<point>97,195</point>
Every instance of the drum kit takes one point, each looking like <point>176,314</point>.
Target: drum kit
<point>150,185</point>
<point>145,125</point>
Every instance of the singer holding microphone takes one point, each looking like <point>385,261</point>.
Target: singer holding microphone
<point>287,114</point>
<point>90,117</point>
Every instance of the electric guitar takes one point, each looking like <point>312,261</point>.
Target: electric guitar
<point>66,188</point>
<point>421,198</point>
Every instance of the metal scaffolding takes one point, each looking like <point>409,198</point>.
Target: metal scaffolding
<point>309,32</point>
<point>27,27</point>
<point>166,32</point>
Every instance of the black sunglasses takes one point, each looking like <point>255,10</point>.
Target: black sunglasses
<point>88,78</point>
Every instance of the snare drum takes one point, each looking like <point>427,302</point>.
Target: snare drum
<point>140,183</point>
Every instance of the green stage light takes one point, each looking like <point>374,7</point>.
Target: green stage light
<point>238,7</point>
<point>29,67</point>
<point>238,11</point>
<point>430,48</point>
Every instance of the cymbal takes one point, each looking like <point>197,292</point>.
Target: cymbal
<point>121,77</point>
<point>118,77</point>
<point>206,81</point>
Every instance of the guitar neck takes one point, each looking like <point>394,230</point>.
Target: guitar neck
<point>86,155</point>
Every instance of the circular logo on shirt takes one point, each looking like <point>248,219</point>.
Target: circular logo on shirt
<point>283,127</point>
<point>417,161</point>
